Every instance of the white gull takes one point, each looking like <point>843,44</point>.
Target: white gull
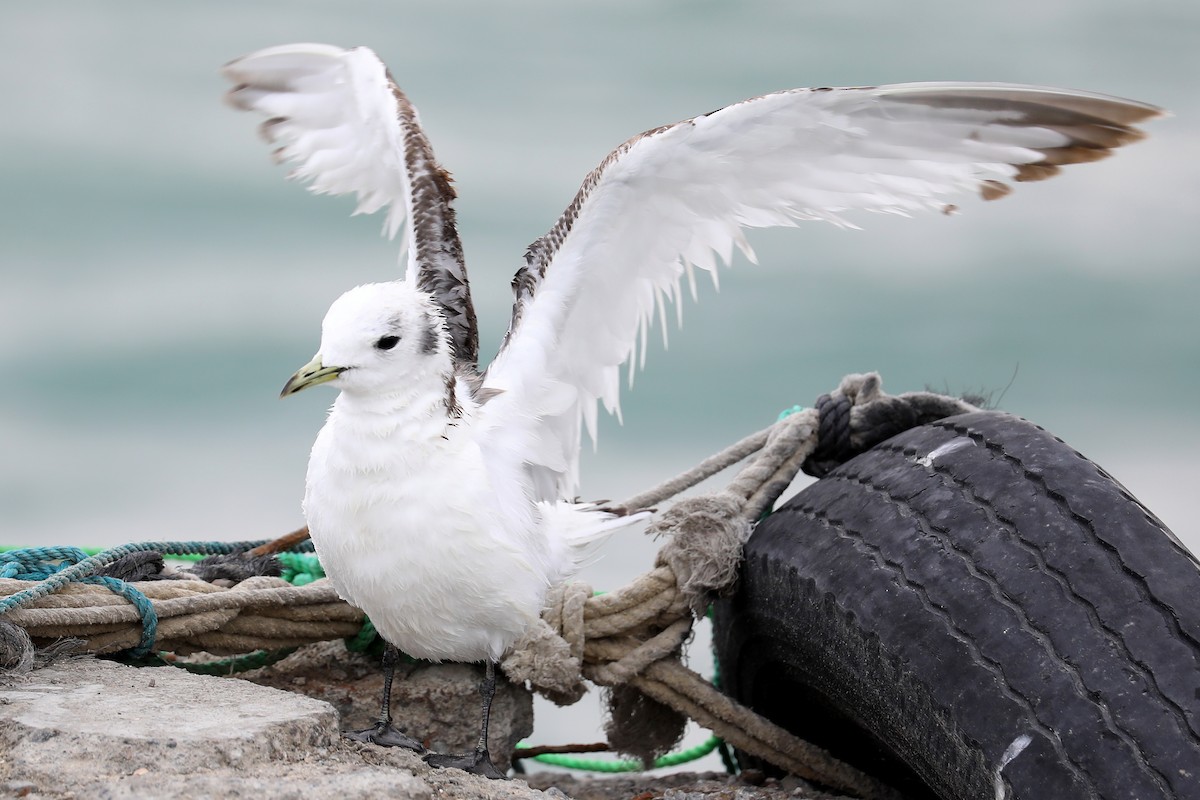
<point>437,495</point>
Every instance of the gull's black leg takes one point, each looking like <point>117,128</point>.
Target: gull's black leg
<point>383,732</point>
<point>479,761</point>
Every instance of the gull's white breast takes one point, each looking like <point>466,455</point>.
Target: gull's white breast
<point>405,520</point>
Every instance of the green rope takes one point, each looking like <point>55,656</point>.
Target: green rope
<point>362,641</point>
<point>300,568</point>
<point>628,764</point>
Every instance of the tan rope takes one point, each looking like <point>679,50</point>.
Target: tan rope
<point>674,685</point>
<point>259,613</point>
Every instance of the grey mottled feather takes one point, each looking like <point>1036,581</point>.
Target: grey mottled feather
<point>442,271</point>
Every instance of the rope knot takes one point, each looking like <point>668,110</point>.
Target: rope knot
<point>704,545</point>
<point>859,415</point>
<point>16,649</point>
<point>550,654</point>
<point>834,431</point>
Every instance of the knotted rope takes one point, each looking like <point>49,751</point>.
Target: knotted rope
<point>632,638</point>
<point>629,640</point>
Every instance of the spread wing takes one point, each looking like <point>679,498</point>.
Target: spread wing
<point>341,119</point>
<point>678,198</point>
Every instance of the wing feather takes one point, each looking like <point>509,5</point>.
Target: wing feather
<point>677,198</point>
<point>338,116</point>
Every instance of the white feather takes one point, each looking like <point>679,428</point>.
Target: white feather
<point>339,122</point>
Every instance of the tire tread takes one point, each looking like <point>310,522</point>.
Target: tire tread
<point>1017,585</point>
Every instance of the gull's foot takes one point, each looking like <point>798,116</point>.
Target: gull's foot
<point>385,734</point>
<point>478,763</point>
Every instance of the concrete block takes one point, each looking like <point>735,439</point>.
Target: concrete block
<point>86,728</point>
<point>113,719</point>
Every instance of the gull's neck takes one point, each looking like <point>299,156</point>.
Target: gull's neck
<point>421,408</point>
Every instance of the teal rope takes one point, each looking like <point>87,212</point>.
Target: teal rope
<point>55,567</point>
<point>37,563</point>
<point>787,412</point>
<point>88,565</point>
<point>143,605</point>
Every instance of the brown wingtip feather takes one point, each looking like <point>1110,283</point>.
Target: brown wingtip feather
<point>1088,138</point>
<point>994,190</point>
<point>1105,136</point>
<point>233,98</point>
<point>1091,126</point>
<point>1077,154</point>
<point>1035,172</point>
<point>267,129</point>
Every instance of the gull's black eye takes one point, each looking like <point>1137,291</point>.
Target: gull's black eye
<point>387,342</point>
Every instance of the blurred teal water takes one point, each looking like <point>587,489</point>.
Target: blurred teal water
<point>160,280</point>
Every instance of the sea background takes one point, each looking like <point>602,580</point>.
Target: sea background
<point>159,280</point>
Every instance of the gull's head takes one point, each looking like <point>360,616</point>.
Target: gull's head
<point>377,339</point>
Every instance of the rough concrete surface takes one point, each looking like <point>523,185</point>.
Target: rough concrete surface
<point>87,728</point>
<point>115,719</point>
<point>92,728</point>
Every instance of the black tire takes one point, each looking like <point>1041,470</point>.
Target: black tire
<point>962,585</point>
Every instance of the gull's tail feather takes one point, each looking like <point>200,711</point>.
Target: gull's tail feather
<point>579,527</point>
<point>582,524</point>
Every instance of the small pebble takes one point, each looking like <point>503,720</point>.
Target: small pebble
<point>753,777</point>
<point>795,785</point>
